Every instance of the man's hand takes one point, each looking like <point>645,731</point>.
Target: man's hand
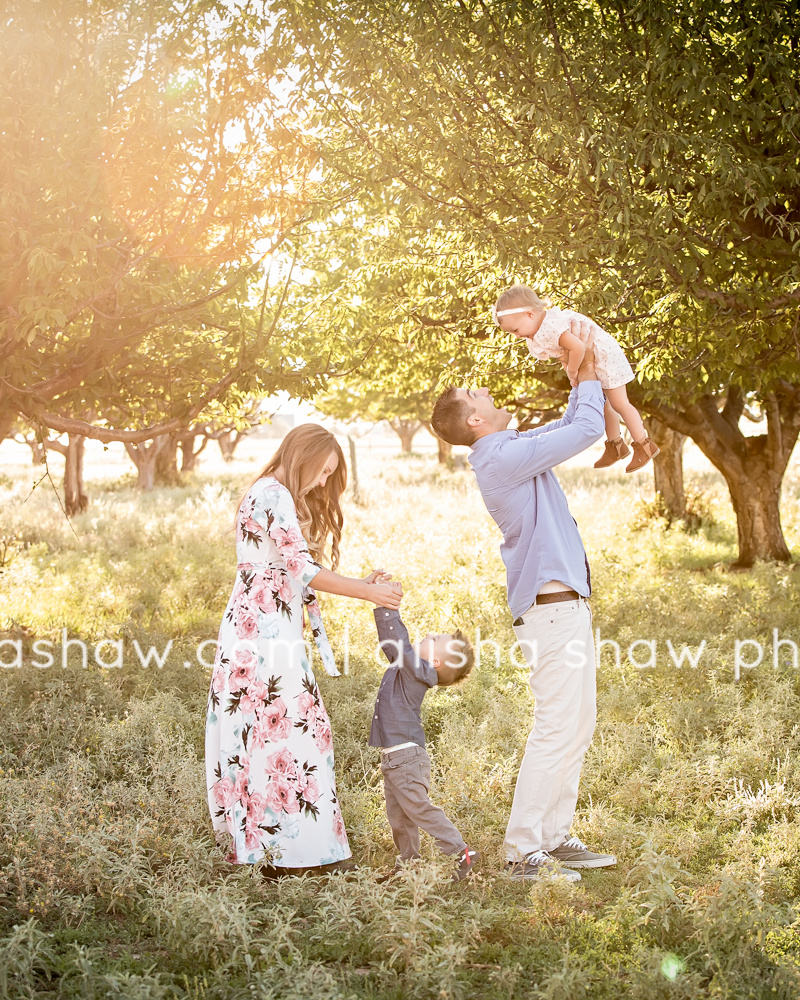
<point>377,576</point>
<point>586,372</point>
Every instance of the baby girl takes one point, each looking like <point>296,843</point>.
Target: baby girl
<point>564,334</point>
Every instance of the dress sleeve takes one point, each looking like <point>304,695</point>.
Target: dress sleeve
<point>274,511</point>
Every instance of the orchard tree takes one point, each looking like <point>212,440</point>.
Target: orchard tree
<point>152,179</point>
<point>636,161</point>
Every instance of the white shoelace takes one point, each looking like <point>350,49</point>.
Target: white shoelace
<point>575,844</point>
<point>538,858</point>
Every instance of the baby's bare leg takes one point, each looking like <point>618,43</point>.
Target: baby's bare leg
<point>612,422</point>
<point>618,398</point>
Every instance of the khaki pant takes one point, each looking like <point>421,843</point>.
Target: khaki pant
<point>558,645</point>
<point>406,784</point>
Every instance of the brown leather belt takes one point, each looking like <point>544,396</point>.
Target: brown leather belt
<point>560,595</point>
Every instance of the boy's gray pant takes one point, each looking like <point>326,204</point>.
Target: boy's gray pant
<point>406,785</point>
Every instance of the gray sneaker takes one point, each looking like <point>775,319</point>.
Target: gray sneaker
<point>539,865</point>
<point>575,854</point>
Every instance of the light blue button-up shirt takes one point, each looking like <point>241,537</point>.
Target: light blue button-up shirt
<point>515,475</point>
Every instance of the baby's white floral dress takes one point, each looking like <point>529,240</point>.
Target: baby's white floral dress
<point>612,367</point>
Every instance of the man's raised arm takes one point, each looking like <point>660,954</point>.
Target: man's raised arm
<point>529,455</point>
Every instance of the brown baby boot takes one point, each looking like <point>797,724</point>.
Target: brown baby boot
<point>614,451</point>
<point>643,451</point>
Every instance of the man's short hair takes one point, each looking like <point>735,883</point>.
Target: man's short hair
<point>463,660</point>
<point>449,418</point>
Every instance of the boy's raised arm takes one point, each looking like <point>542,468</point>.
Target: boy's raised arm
<point>393,639</point>
<point>392,635</point>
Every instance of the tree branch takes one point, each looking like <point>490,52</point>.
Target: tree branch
<point>69,425</point>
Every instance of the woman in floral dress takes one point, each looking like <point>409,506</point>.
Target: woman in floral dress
<point>269,752</point>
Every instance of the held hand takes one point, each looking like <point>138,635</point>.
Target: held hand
<point>377,576</point>
<point>386,595</point>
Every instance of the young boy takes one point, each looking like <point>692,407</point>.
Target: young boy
<point>397,730</point>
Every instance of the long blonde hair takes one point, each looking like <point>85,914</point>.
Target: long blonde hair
<point>301,456</point>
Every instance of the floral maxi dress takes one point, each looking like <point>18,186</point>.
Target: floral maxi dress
<point>269,752</point>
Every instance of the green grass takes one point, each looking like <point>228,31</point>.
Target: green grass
<point>110,885</point>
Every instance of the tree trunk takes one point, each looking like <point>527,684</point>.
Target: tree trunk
<point>668,468</point>
<point>188,454</point>
<point>38,450</point>
<point>445,449</point>
<point>756,499</point>
<point>405,430</point>
<point>351,444</point>
<point>167,462</point>
<point>144,457</point>
<point>7,418</point>
<point>753,467</point>
<point>228,440</point>
<point>75,500</point>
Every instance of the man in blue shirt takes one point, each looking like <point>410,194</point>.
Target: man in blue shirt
<point>548,586</point>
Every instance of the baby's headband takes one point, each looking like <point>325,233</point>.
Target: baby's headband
<point>506,312</point>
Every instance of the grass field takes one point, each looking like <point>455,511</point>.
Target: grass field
<point>110,885</point>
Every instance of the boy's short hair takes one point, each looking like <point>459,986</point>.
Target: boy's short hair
<point>464,656</point>
<point>449,418</point>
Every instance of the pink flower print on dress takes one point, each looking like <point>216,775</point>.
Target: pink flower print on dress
<point>246,624</point>
<point>243,670</point>
<point>274,719</point>
<point>281,796</point>
<point>322,734</point>
<point>253,698</point>
<point>296,564</point>
<point>259,735</point>
<point>250,527</point>
<point>307,706</point>
<point>308,787</point>
<point>256,806</point>
<point>281,764</point>
<point>224,792</point>
<point>338,827</point>
<point>282,588</point>
<point>218,679</point>
<point>262,595</point>
<point>240,785</point>
<point>289,540</point>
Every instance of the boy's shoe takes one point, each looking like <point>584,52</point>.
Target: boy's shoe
<point>399,865</point>
<point>575,854</point>
<point>643,451</point>
<point>614,451</point>
<point>539,865</point>
<point>466,864</point>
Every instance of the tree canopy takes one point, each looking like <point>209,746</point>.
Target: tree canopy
<point>150,179</point>
<point>637,161</point>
